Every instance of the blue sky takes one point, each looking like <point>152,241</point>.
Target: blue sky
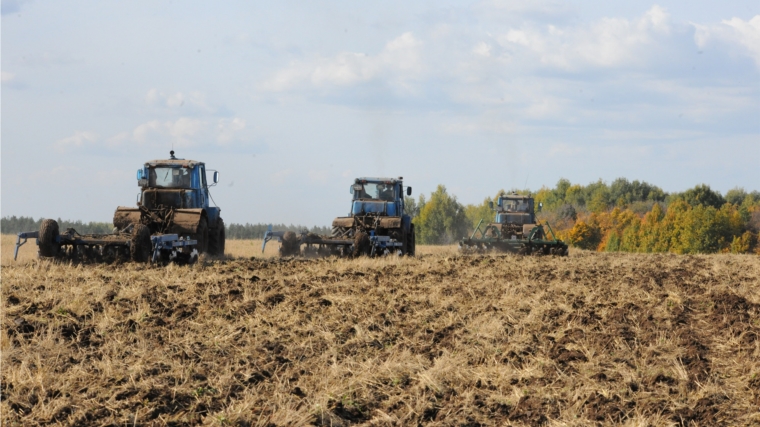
<point>292,100</point>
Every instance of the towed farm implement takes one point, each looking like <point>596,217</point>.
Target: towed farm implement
<point>133,243</point>
<point>376,225</point>
<point>515,229</point>
<point>173,221</point>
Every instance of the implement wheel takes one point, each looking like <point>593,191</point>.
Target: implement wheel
<point>140,247</point>
<point>361,244</point>
<point>47,240</point>
<point>289,244</point>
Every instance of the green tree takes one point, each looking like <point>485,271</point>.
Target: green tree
<point>410,207</point>
<point>702,195</point>
<point>560,190</point>
<point>600,200</point>
<point>442,219</point>
<point>575,196</point>
<point>736,196</point>
<point>475,213</point>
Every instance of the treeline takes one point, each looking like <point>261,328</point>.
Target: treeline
<point>14,224</point>
<point>621,216</point>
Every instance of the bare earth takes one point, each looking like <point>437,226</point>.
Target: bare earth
<point>440,339</point>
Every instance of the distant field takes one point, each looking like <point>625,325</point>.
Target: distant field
<point>440,339</point>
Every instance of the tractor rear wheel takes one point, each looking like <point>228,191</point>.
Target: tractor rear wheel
<point>216,239</point>
<point>140,247</point>
<point>48,235</point>
<point>361,244</point>
<point>201,235</point>
<point>222,237</point>
<point>410,242</point>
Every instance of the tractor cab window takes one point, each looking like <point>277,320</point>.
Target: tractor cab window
<point>376,191</point>
<point>509,205</point>
<point>516,205</point>
<point>169,177</point>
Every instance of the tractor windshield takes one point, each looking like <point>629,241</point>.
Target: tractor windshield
<point>168,177</point>
<point>376,191</point>
<point>517,205</point>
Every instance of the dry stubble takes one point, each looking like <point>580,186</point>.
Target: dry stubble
<point>436,340</point>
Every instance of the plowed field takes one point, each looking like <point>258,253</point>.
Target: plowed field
<point>441,339</point>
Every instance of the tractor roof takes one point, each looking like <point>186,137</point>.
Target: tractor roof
<point>173,162</point>
<point>515,196</point>
<point>372,179</point>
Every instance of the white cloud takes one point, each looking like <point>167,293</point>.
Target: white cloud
<point>482,49</point>
<point>610,42</point>
<point>522,7</point>
<point>319,176</point>
<point>279,177</point>
<point>78,139</point>
<point>398,62</point>
<point>564,150</point>
<point>228,129</point>
<point>197,100</point>
<point>7,77</point>
<point>484,125</point>
<point>183,132</point>
<point>734,31</point>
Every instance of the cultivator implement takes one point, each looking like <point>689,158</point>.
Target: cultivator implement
<point>493,237</point>
<point>131,243</point>
<point>310,244</point>
<point>376,225</point>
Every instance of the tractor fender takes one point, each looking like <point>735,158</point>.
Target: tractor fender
<point>406,223</point>
<point>213,214</point>
<point>186,221</point>
<point>390,222</point>
<point>346,222</point>
<point>123,216</point>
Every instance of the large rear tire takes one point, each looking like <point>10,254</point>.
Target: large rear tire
<point>48,235</point>
<point>201,235</point>
<point>140,247</point>
<point>222,237</point>
<point>216,239</point>
<point>411,242</point>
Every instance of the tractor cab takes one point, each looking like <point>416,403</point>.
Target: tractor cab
<point>175,198</point>
<point>378,196</point>
<point>515,209</point>
<point>174,183</point>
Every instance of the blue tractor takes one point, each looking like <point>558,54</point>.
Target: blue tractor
<point>172,221</point>
<point>515,229</point>
<point>175,200</point>
<point>376,225</point>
